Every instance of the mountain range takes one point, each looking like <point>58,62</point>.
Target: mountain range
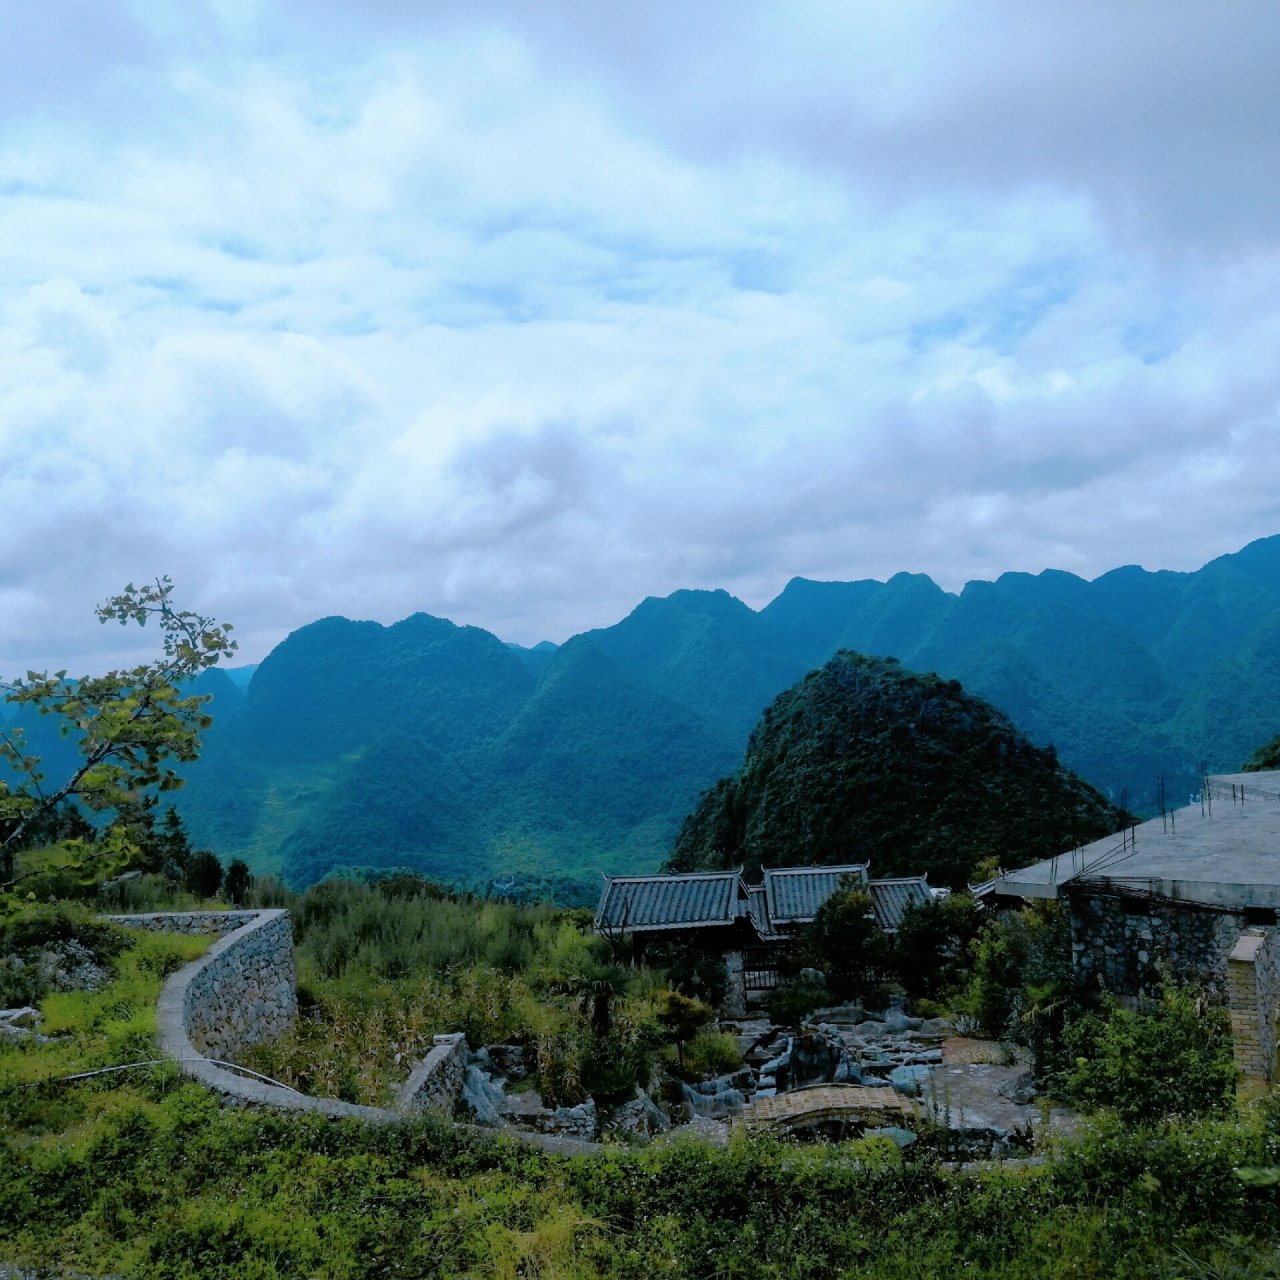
<point>438,747</point>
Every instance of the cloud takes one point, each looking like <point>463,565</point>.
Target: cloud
<point>520,313</point>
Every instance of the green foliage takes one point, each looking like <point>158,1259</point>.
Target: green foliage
<point>26,935</point>
<point>130,726</point>
<point>711,1053</point>
<point>152,1177</point>
<point>793,1001</point>
<point>907,770</point>
<point>385,966</point>
<point>682,1018</point>
<point>1173,1060</point>
<point>1266,757</point>
<point>1020,964</point>
<point>691,968</point>
<point>997,976</point>
<point>589,759</point>
<point>844,941</point>
<point>202,874</point>
<point>931,950</point>
<point>238,881</point>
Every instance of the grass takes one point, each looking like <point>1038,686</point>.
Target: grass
<point>145,1174</point>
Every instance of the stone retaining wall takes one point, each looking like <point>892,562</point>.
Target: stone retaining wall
<point>244,988</point>
<point>1129,944</point>
<point>241,979</point>
<point>194,922</point>
<point>437,1080</point>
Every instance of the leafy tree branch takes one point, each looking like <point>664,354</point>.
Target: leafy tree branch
<point>133,725</point>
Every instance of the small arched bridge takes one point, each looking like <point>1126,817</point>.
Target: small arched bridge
<point>849,1105</point>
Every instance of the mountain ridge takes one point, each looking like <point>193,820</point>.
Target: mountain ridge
<point>1131,675</point>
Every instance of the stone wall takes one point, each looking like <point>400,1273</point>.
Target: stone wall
<point>250,964</point>
<point>1129,944</point>
<point>1253,997</point>
<point>437,1080</point>
<point>244,988</point>
<point>195,922</point>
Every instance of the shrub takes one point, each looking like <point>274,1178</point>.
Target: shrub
<point>789,1003</point>
<point>711,1053</point>
<point>1173,1060</point>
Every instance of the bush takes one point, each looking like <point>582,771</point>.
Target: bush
<point>1172,1061</point>
<point>711,1053</point>
<point>844,940</point>
<point>789,1003</point>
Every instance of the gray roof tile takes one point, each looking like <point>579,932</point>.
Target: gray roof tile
<point>891,898</point>
<point>633,903</point>
<point>794,894</point>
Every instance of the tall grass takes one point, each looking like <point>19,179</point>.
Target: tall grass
<point>382,968</point>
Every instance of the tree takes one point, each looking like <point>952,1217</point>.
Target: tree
<point>682,1018</point>
<point>203,875</point>
<point>844,940</point>
<point>133,725</point>
<point>237,881</point>
<point>932,946</point>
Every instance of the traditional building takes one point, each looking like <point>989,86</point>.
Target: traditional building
<point>751,927</point>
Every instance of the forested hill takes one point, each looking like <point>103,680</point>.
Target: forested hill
<point>864,760</point>
<point>439,747</point>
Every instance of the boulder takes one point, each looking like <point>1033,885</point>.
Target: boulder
<point>937,1027</point>
<point>483,1096</point>
<point>713,1099</point>
<point>896,1020</point>
<point>26,1017</point>
<point>641,1117</point>
<point>509,1059</point>
<point>1020,1089</point>
<point>846,1015</point>
<point>909,1080</point>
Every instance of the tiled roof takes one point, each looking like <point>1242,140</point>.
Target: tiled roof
<point>758,909</point>
<point>633,903</point>
<point>794,894</point>
<point>890,898</point>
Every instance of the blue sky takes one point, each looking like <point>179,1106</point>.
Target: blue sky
<point>519,313</point>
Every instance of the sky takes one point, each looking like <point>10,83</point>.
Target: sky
<point>518,313</point>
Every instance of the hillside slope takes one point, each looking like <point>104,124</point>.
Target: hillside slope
<point>866,761</point>
<point>584,757</point>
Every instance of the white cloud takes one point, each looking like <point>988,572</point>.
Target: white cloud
<point>520,313</point>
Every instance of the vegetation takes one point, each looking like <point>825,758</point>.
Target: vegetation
<point>386,966</point>
<point>139,1173</point>
<point>588,758</point>
<point>131,726</point>
<point>1265,757</point>
<point>865,759</point>
<point>1173,1060</point>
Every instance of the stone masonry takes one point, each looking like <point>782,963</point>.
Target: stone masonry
<point>1129,944</point>
<point>1253,997</point>
<point>436,1081</point>
<point>242,990</point>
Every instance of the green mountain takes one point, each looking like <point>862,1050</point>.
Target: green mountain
<point>438,746</point>
<point>864,760</point>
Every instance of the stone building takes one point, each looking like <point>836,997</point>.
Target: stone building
<point>1191,895</point>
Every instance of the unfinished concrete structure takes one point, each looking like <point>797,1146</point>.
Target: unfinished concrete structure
<point>1190,895</point>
